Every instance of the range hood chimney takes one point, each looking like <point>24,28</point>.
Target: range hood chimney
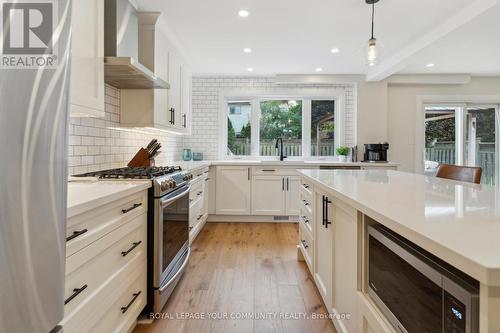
<point>122,63</point>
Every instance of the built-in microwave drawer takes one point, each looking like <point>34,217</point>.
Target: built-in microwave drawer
<point>89,268</point>
<point>83,229</point>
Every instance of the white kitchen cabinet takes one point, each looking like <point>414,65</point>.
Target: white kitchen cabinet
<point>324,249</point>
<point>268,195</point>
<point>292,195</point>
<point>87,59</point>
<point>164,109</point>
<point>185,100</point>
<point>345,251</point>
<point>174,93</point>
<point>233,190</point>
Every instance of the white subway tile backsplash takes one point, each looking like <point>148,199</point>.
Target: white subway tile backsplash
<point>94,146</point>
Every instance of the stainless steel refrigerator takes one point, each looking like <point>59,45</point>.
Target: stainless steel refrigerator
<point>33,163</point>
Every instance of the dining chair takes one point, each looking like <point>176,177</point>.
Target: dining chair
<point>461,173</point>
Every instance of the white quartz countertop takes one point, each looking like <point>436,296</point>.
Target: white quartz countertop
<point>191,165</point>
<point>458,222</point>
<point>89,193</point>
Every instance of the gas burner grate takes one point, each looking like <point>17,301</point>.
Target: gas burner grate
<point>132,173</point>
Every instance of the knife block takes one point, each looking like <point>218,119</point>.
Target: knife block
<point>141,159</point>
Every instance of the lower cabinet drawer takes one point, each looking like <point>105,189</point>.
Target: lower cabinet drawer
<point>306,246</point>
<point>88,227</point>
<point>118,289</point>
<point>87,269</point>
<point>124,312</point>
<point>195,214</point>
<point>90,268</point>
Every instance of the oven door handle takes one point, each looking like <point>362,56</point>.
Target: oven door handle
<point>179,272</point>
<point>170,200</point>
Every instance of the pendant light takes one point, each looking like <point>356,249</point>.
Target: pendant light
<point>371,54</point>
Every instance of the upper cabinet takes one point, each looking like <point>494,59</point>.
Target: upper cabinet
<point>160,109</point>
<point>87,59</point>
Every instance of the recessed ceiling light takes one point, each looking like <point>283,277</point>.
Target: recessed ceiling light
<point>429,65</point>
<point>335,50</point>
<point>250,69</point>
<point>243,13</point>
<point>247,50</point>
<point>319,69</point>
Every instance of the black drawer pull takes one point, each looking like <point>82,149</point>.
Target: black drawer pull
<point>199,193</point>
<point>125,308</point>
<point>199,217</point>
<point>199,175</point>
<point>76,234</point>
<point>136,244</point>
<point>305,186</point>
<point>125,211</point>
<point>76,292</point>
<point>304,243</point>
<point>207,179</point>
<point>305,219</point>
<point>268,170</point>
<point>305,202</point>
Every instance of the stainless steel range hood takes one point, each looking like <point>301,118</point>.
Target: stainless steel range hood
<point>122,66</point>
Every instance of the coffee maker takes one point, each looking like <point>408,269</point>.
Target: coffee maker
<point>376,152</point>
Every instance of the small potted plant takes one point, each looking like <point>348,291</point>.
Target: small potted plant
<point>342,153</point>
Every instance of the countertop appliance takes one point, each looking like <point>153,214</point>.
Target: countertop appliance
<point>376,152</point>
<point>33,133</point>
<point>417,291</point>
<point>168,226</point>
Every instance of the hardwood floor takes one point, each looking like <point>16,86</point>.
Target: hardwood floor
<point>244,268</point>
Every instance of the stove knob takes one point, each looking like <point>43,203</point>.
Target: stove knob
<point>173,183</point>
<point>163,185</point>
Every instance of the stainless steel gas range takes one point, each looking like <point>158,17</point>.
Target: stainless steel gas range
<point>168,226</point>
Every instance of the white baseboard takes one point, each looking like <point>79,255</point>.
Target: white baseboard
<point>249,218</point>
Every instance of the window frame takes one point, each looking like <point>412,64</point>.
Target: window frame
<point>255,96</point>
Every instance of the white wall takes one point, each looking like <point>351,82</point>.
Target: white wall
<point>402,110</point>
<point>206,107</point>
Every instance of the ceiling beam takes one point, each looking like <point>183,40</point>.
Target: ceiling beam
<point>402,58</point>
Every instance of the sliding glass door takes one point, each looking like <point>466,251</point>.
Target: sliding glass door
<point>481,140</point>
<point>465,134</point>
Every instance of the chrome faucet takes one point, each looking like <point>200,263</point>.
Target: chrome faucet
<point>279,146</point>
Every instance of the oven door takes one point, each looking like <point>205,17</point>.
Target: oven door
<point>171,233</point>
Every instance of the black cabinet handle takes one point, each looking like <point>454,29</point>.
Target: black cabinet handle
<point>305,202</point>
<point>76,234</point>
<point>136,244</point>
<point>305,219</point>
<point>207,179</point>
<point>287,184</point>
<point>184,120</point>
<point>283,183</point>
<point>199,217</point>
<point>304,243</point>
<point>125,211</point>
<point>199,193</point>
<point>172,116</point>
<point>305,186</point>
<point>327,201</point>
<point>125,308</point>
<point>323,211</point>
<point>248,173</point>
<point>76,292</point>
<point>268,170</point>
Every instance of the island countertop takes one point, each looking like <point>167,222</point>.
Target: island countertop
<point>458,222</point>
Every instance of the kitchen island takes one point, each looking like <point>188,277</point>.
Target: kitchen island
<point>457,222</point>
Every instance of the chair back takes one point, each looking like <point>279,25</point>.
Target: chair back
<point>460,173</point>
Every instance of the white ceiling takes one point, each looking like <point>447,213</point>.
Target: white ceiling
<point>295,37</point>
